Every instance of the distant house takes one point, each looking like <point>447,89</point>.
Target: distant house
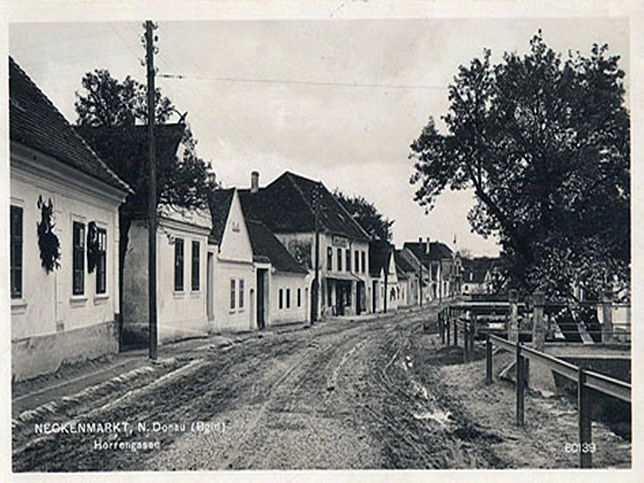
<point>409,277</point>
<point>257,282</point>
<point>63,238</point>
<point>287,206</point>
<point>444,273</point>
<point>182,241</point>
<point>383,276</point>
<point>475,272</point>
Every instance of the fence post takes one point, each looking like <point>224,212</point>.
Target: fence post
<point>538,322</point>
<point>441,326</point>
<point>488,360</point>
<point>519,390</point>
<point>466,338</point>
<point>455,334</point>
<point>585,421</point>
<point>607,317</point>
<point>472,334</point>
<point>513,325</point>
<point>447,328</point>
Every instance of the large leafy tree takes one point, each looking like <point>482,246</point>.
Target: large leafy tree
<point>367,215</point>
<point>184,181</point>
<point>543,141</point>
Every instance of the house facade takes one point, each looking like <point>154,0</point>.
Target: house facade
<point>63,238</point>
<point>182,278</point>
<point>257,282</point>
<point>442,266</point>
<point>288,207</point>
<point>383,277</point>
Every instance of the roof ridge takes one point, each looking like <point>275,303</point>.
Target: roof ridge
<point>299,190</point>
<point>364,232</point>
<point>66,122</point>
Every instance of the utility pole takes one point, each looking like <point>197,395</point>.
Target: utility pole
<point>316,281</point>
<point>152,193</point>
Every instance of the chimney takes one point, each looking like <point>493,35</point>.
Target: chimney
<point>254,181</point>
<point>420,239</point>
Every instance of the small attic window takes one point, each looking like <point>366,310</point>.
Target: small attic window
<point>235,226</point>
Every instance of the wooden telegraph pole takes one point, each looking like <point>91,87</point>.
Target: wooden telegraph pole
<point>152,193</point>
<point>316,281</point>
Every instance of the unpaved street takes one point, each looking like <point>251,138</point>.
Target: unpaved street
<point>343,394</point>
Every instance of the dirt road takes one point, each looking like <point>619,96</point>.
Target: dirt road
<point>343,394</point>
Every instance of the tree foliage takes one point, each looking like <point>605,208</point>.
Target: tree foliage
<point>185,182</point>
<point>367,215</point>
<point>543,140</point>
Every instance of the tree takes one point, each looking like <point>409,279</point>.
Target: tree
<point>367,215</point>
<point>186,182</point>
<point>544,143</point>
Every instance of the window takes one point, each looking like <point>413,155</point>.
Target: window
<point>281,299</point>
<point>232,294</point>
<point>101,266</point>
<point>348,264</point>
<point>241,293</point>
<point>78,259</point>
<point>195,266</point>
<point>16,252</point>
<point>329,259</point>
<point>356,261</point>
<point>178,264</point>
<point>288,298</point>
<point>364,262</point>
<point>339,259</point>
<point>299,297</point>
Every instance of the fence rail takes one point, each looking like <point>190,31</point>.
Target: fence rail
<point>452,328</point>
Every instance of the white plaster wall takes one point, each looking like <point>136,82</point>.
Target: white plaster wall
<point>180,313</point>
<point>237,319</point>
<point>47,298</point>
<point>292,281</point>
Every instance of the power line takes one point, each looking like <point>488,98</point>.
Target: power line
<point>301,82</point>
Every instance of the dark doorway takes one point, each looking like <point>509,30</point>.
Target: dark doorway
<point>360,296</point>
<point>261,296</point>
<point>374,296</point>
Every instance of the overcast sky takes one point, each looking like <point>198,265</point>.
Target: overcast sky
<point>335,100</point>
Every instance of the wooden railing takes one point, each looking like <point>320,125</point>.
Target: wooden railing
<point>585,380</point>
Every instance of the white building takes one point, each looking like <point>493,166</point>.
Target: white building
<point>257,282</point>
<point>182,279</point>
<point>63,237</point>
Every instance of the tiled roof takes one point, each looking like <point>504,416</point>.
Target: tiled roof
<point>266,245</point>
<point>125,149</point>
<point>286,206</point>
<point>419,249</point>
<point>220,202</point>
<point>404,262</point>
<point>438,251</point>
<point>35,122</point>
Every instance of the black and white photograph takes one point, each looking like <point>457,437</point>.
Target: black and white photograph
<point>320,238</point>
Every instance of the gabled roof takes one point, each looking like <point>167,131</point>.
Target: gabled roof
<point>286,206</point>
<point>404,263</point>
<point>36,123</point>
<point>220,202</point>
<point>419,249</point>
<point>438,251</point>
<point>379,256</point>
<point>125,148</point>
<point>266,246</point>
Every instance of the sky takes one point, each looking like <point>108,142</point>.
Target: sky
<point>336,100</point>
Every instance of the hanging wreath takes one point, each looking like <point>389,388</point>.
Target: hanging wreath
<point>47,239</point>
<point>92,246</point>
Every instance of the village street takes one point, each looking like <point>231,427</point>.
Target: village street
<point>372,393</point>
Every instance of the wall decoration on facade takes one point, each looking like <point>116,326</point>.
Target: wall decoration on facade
<point>301,251</point>
<point>47,240</point>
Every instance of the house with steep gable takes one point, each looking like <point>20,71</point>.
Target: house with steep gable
<point>64,241</point>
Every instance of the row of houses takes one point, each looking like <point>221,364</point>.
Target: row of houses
<point>246,262</point>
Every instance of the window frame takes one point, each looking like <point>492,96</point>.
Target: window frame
<point>339,258</point>
<point>101,262</point>
<point>347,260</point>
<point>288,298</point>
<point>329,259</point>
<point>356,260</point>
<point>280,303</point>
<point>233,291</point>
<point>299,297</point>
<point>240,295</point>
<point>363,256</point>
<point>195,272</point>
<point>16,240</point>
<point>78,258</point>
<point>179,265</point>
